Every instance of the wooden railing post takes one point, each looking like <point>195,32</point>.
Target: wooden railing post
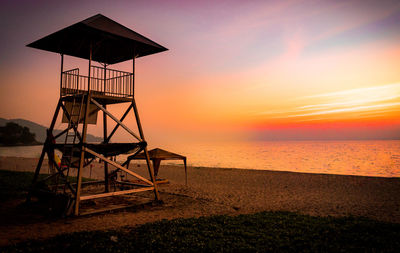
<point>106,187</point>
<point>61,74</point>
<point>120,83</point>
<point>84,133</point>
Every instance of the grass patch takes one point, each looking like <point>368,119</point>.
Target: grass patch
<point>261,232</point>
<point>15,184</point>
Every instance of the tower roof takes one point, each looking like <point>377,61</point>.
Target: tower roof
<point>111,42</point>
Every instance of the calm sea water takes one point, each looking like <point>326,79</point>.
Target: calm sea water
<point>365,158</point>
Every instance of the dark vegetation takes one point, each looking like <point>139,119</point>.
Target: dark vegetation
<point>260,232</point>
<point>13,134</point>
<point>15,184</point>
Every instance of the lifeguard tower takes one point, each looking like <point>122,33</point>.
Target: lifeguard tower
<point>102,40</point>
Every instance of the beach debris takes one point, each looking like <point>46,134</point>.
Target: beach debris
<point>114,238</point>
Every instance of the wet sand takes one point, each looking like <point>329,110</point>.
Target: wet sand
<point>213,191</point>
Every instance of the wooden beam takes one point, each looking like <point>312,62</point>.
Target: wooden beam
<point>51,176</point>
<point>75,127</point>
<point>61,74</point>
<point>118,166</point>
<point>146,154</point>
<point>61,173</point>
<point>129,157</point>
<point>164,181</point>
<point>137,118</point>
<point>133,73</point>
<point>63,132</point>
<point>184,163</point>
<point>116,120</point>
<point>39,165</point>
<point>106,188</point>
<point>116,127</point>
<point>108,194</point>
<point>84,133</point>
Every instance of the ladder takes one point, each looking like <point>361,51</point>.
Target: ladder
<point>72,135</point>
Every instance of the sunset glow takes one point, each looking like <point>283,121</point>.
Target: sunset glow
<point>261,69</point>
<point>370,102</point>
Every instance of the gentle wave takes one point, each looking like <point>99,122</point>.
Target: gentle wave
<point>364,158</point>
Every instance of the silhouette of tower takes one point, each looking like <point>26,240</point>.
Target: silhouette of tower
<point>96,39</point>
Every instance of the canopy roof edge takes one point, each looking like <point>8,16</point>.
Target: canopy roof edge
<point>111,42</point>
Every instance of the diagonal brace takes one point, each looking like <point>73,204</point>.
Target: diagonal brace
<point>115,119</point>
<point>116,127</point>
<point>117,165</point>
<point>75,127</point>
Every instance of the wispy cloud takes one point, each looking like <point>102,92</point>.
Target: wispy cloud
<point>355,15</point>
<point>376,91</point>
<point>377,100</point>
<point>348,109</point>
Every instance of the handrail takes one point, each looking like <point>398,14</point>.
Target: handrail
<point>116,83</point>
<point>71,70</point>
<point>112,69</point>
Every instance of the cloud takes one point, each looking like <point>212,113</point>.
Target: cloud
<point>375,91</point>
<point>348,109</point>
<point>353,15</point>
<point>377,100</point>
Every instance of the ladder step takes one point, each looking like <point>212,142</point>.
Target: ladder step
<point>72,135</point>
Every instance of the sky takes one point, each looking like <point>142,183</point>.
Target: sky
<point>235,70</point>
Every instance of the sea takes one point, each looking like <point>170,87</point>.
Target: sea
<point>378,158</point>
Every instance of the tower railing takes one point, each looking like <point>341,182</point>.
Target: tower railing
<point>107,82</point>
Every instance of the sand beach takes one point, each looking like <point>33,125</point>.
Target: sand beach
<point>212,191</point>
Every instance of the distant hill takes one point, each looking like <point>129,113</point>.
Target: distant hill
<point>40,131</point>
<point>13,134</point>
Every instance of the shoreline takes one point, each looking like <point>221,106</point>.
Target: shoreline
<point>16,162</point>
<point>284,171</point>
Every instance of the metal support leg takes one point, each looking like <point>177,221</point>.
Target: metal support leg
<point>39,165</point>
<point>149,165</point>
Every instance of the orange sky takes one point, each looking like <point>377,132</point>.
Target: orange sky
<point>234,70</point>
